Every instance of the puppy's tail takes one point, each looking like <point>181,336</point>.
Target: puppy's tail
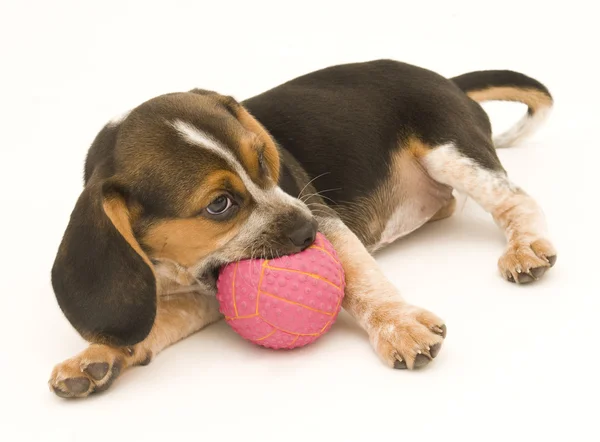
<point>509,86</point>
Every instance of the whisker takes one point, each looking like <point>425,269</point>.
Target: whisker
<point>318,205</point>
<point>320,194</point>
<point>307,184</point>
<point>325,214</point>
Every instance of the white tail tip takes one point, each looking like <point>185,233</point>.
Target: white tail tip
<point>523,129</point>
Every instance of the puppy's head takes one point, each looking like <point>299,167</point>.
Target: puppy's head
<point>185,182</point>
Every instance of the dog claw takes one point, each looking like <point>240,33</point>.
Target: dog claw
<point>421,360</point>
<point>435,349</point>
<point>400,365</point>
<point>440,330</point>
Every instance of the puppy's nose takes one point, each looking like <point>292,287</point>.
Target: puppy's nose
<point>303,233</point>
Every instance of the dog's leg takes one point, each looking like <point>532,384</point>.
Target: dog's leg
<point>95,368</point>
<point>529,253</point>
<point>403,335</point>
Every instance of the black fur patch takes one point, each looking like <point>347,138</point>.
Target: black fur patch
<point>287,182</point>
<point>474,81</point>
<point>344,122</point>
<point>101,152</point>
<point>104,288</point>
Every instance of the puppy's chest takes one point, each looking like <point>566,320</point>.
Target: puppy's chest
<point>407,200</point>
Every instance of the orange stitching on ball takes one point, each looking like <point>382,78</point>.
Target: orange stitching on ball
<point>312,275</point>
<point>337,309</point>
<point>325,326</point>
<point>297,303</point>
<point>287,331</point>
<point>262,273</point>
<point>233,318</point>
<point>267,335</point>
<point>233,287</point>
<point>332,257</point>
<point>325,250</point>
<point>294,341</point>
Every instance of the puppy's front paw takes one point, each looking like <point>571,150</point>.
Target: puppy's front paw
<point>93,370</point>
<point>526,262</point>
<point>405,336</point>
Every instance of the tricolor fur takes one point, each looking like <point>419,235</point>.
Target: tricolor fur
<point>365,152</point>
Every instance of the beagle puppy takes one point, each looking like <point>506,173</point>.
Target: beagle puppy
<point>365,153</point>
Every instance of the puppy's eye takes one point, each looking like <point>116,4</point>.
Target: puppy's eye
<point>220,205</point>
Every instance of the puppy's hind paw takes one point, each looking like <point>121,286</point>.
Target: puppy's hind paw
<point>527,262</point>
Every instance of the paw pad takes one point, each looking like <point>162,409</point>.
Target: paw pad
<point>77,385</point>
<point>97,370</point>
<point>77,378</point>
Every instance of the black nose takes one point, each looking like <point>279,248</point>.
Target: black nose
<point>303,233</point>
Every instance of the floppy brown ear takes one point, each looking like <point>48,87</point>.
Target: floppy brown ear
<point>103,281</point>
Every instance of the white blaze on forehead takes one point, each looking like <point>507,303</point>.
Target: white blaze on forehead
<point>271,202</point>
<point>273,195</point>
<point>200,138</point>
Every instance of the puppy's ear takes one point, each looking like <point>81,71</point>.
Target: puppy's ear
<point>228,102</point>
<point>251,124</point>
<point>103,281</point>
<point>271,154</point>
<point>203,91</point>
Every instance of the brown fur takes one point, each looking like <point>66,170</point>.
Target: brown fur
<point>208,189</point>
<point>260,139</point>
<point>271,154</point>
<point>249,148</point>
<point>534,99</point>
<point>119,214</point>
<point>187,241</point>
<point>416,147</point>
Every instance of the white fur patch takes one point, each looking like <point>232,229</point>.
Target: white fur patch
<point>446,165</point>
<point>202,139</point>
<point>118,119</point>
<point>491,189</point>
<point>272,195</point>
<point>405,219</point>
<point>523,129</point>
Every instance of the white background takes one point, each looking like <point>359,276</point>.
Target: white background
<point>519,363</point>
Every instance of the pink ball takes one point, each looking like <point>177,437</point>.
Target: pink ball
<point>286,302</point>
